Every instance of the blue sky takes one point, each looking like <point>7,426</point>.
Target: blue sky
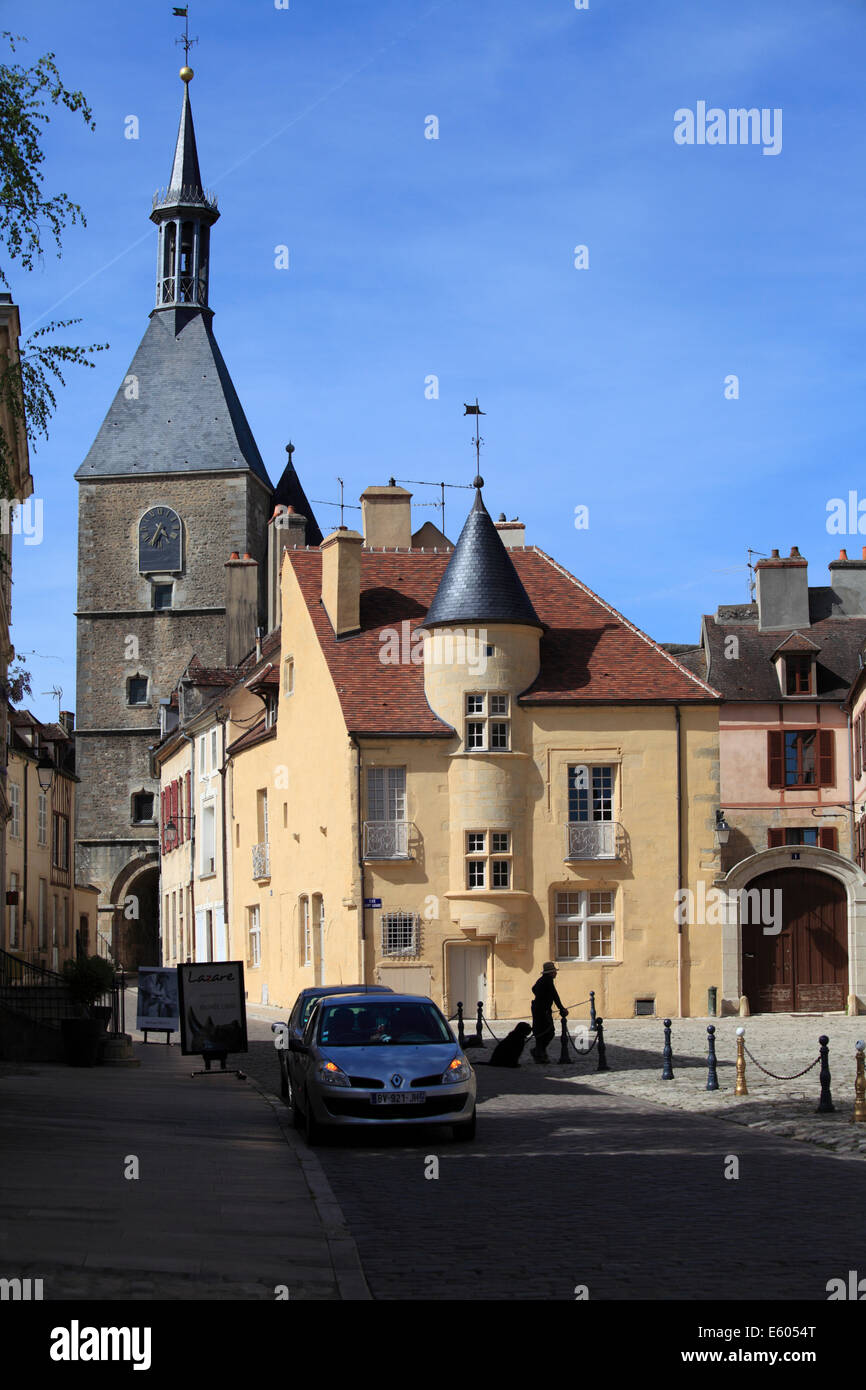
<point>411,257</point>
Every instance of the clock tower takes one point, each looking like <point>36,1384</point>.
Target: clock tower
<point>173,483</point>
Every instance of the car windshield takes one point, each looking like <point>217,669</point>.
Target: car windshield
<point>406,1023</point>
<point>313,1000</point>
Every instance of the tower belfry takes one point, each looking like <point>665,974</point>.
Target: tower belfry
<point>184,213</point>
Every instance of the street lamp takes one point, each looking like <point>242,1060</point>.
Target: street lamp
<point>45,772</point>
<point>723,830</point>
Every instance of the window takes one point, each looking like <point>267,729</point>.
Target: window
<point>798,675</point>
<point>162,594</point>
<point>482,870</point>
<point>288,675</point>
<point>142,807</point>
<point>60,849</point>
<point>179,948</point>
<point>42,819</point>
<point>488,723</point>
<point>202,755</point>
<point>13,911</point>
<point>65,921</point>
<point>801,758</point>
<point>214,756</point>
<point>305,935</point>
<point>386,830</point>
<point>401,932</point>
<point>43,914</point>
<point>208,838</point>
<point>15,808</point>
<point>208,931</point>
<point>826,836</point>
<point>174,898</point>
<point>136,690</point>
<point>590,793</point>
<point>55,920</point>
<point>584,925</point>
<point>254,937</point>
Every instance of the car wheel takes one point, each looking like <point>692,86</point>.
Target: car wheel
<point>466,1129</point>
<point>312,1128</point>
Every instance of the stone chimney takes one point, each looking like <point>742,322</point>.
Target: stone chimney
<point>387,519</point>
<point>848,582</point>
<point>286,529</point>
<point>242,606</point>
<point>511,533</point>
<point>66,720</point>
<point>341,579</point>
<point>783,592</point>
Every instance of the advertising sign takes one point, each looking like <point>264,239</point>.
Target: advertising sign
<point>157,999</point>
<point>213,1016</point>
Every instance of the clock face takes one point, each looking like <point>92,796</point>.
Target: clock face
<point>160,536</point>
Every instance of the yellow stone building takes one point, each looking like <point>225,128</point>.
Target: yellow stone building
<point>455,764</point>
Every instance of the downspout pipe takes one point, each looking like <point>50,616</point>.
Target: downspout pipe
<point>679,865</point>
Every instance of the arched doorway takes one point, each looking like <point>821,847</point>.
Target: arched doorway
<point>135,935</point>
<point>803,968</point>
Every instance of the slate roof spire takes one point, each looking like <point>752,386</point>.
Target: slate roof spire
<point>480,584</point>
<point>184,213</point>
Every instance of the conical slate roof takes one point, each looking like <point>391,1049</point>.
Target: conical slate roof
<point>289,493</point>
<point>480,584</point>
<point>185,173</point>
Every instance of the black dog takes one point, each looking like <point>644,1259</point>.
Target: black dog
<point>507,1052</point>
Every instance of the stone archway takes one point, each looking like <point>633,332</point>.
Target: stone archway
<point>850,937</point>
<point>135,928</point>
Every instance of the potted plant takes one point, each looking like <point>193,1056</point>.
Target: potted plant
<point>87,978</point>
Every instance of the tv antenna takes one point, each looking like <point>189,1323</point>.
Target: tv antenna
<point>58,695</point>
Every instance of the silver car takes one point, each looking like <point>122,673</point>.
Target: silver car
<point>372,1059</point>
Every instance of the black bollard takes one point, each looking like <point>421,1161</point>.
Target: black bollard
<point>602,1050</point>
<point>825,1104</point>
<point>592,1008</point>
<point>461,1036</point>
<point>476,1040</point>
<point>668,1056</point>
<point>712,1078</point>
<point>563,1051</point>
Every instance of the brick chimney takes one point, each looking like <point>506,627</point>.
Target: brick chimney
<point>242,606</point>
<point>387,518</point>
<point>783,592</point>
<point>511,533</point>
<point>848,582</point>
<point>286,529</point>
<point>341,579</point>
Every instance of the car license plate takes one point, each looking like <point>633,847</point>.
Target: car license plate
<point>399,1098</point>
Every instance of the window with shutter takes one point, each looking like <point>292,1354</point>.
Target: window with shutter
<point>829,837</point>
<point>863,741</point>
<point>775,837</point>
<point>857,748</point>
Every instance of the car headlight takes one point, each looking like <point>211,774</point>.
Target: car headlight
<point>331,1075</point>
<point>458,1070</point>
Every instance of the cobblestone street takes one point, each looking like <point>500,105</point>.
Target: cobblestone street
<point>580,1178</point>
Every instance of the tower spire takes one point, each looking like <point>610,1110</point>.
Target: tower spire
<point>184,212</point>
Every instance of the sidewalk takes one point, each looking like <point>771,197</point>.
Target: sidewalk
<point>228,1204</point>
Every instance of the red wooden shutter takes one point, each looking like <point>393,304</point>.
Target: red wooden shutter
<point>858,751</point>
<point>775,759</point>
<point>828,837</point>
<point>775,837</point>
<point>863,740</point>
<point>188,807</point>
<point>162,820</point>
<point>826,768</point>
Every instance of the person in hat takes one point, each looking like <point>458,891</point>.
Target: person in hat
<point>546,996</point>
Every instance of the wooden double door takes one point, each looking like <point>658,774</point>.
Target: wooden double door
<point>803,968</point>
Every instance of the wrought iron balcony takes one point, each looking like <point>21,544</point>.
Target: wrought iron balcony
<point>386,839</point>
<point>593,839</point>
<point>261,861</point>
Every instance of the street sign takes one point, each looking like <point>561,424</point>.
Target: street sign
<point>372,902</point>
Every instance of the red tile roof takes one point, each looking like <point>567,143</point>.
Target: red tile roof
<point>589,652</point>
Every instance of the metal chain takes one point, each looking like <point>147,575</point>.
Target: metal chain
<point>773,1074</point>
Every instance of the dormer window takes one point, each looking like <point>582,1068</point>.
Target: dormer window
<point>798,674</point>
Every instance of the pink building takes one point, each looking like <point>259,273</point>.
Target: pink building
<point>794,932</point>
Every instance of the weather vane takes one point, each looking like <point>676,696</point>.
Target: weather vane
<point>477,439</point>
<point>182,12</point>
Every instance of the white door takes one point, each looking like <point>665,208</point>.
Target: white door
<point>467,981</point>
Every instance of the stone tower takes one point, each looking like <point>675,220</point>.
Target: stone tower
<point>173,483</point>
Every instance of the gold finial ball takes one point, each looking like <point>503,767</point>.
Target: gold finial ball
<point>186,74</point>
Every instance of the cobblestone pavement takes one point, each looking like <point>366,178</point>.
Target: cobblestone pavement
<point>614,1180</point>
